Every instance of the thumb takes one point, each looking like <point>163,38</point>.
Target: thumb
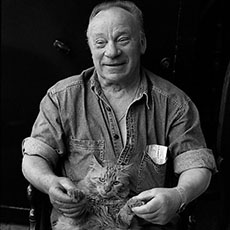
<point>146,195</point>
<point>71,190</point>
<point>67,185</point>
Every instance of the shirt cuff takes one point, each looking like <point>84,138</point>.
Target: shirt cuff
<point>199,158</point>
<point>35,147</point>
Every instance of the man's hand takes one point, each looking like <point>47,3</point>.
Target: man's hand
<point>160,205</point>
<point>61,199</point>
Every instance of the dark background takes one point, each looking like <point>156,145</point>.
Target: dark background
<point>187,43</point>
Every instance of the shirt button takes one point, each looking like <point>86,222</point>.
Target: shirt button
<point>108,109</point>
<point>116,136</point>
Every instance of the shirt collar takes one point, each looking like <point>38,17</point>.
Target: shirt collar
<point>143,89</point>
<point>142,92</point>
<point>94,84</point>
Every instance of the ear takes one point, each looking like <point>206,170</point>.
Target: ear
<point>143,43</point>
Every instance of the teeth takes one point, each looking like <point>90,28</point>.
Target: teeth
<point>114,64</point>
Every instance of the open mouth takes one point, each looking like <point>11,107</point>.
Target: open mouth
<point>114,64</point>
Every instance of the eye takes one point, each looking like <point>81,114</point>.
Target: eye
<point>101,179</point>
<point>116,182</point>
<point>123,40</point>
<point>100,43</point>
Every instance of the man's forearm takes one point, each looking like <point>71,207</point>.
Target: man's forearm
<point>38,172</point>
<point>194,182</point>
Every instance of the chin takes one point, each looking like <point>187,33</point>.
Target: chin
<point>114,73</point>
<point>115,76</point>
<point>105,195</point>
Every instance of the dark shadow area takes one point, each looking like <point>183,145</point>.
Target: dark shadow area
<point>187,43</point>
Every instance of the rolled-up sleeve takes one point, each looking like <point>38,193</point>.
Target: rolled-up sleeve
<point>35,147</point>
<point>46,138</point>
<point>187,143</point>
<point>199,158</point>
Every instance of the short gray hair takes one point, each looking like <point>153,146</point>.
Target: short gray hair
<point>126,5</point>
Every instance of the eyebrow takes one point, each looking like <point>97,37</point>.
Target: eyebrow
<point>98,34</point>
<point>120,32</point>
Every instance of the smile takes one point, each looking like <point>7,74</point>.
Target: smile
<point>114,64</point>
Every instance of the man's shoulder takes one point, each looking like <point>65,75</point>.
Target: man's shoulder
<point>72,81</point>
<point>163,85</point>
<point>165,88</point>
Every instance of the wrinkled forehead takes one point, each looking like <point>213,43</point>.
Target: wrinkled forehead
<point>114,17</point>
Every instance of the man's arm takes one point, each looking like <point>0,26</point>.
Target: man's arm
<point>193,183</point>
<point>40,174</point>
<point>163,203</point>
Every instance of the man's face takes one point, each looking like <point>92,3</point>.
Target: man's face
<point>116,44</point>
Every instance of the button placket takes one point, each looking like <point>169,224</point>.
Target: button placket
<point>126,153</point>
<point>111,124</point>
<point>116,139</point>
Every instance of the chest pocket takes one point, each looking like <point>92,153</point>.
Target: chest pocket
<point>151,170</point>
<point>81,154</point>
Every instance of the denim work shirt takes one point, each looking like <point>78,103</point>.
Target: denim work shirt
<point>77,125</point>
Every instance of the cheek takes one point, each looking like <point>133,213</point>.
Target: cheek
<point>119,187</point>
<point>100,188</point>
<point>92,184</point>
<point>134,56</point>
<point>123,191</point>
<point>96,56</point>
<point>123,186</point>
<point>134,52</point>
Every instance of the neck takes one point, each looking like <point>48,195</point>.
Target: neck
<point>120,95</point>
<point>119,90</point>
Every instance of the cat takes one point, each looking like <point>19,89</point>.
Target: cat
<point>107,207</point>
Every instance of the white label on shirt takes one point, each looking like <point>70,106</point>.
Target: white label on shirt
<point>158,153</point>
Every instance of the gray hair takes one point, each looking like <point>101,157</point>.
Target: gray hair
<point>126,5</point>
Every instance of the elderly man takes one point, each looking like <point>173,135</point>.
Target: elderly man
<point>119,111</point>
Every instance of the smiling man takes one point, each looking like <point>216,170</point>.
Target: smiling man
<point>116,41</point>
<point>118,111</point>
<point>116,44</point>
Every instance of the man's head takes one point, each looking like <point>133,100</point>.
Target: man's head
<point>126,5</point>
<point>116,39</point>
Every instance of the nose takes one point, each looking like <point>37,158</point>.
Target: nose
<point>107,188</point>
<point>112,50</point>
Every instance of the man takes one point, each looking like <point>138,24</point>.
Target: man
<point>121,112</point>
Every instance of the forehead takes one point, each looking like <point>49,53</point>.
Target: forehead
<point>112,19</point>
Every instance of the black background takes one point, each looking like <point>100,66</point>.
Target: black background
<point>186,44</point>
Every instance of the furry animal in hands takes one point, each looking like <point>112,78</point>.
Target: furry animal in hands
<point>106,191</point>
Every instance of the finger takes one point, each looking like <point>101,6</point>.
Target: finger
<point>72,210</point>
<point>73,215</point>
<point>64,205</point>
<point>67,185</point>
<point>145,195</point>
<point>151,217</point>
<point>57,194</point>
<point>149,207</point>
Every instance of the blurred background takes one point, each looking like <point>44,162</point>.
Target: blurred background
<point>43,41</point>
